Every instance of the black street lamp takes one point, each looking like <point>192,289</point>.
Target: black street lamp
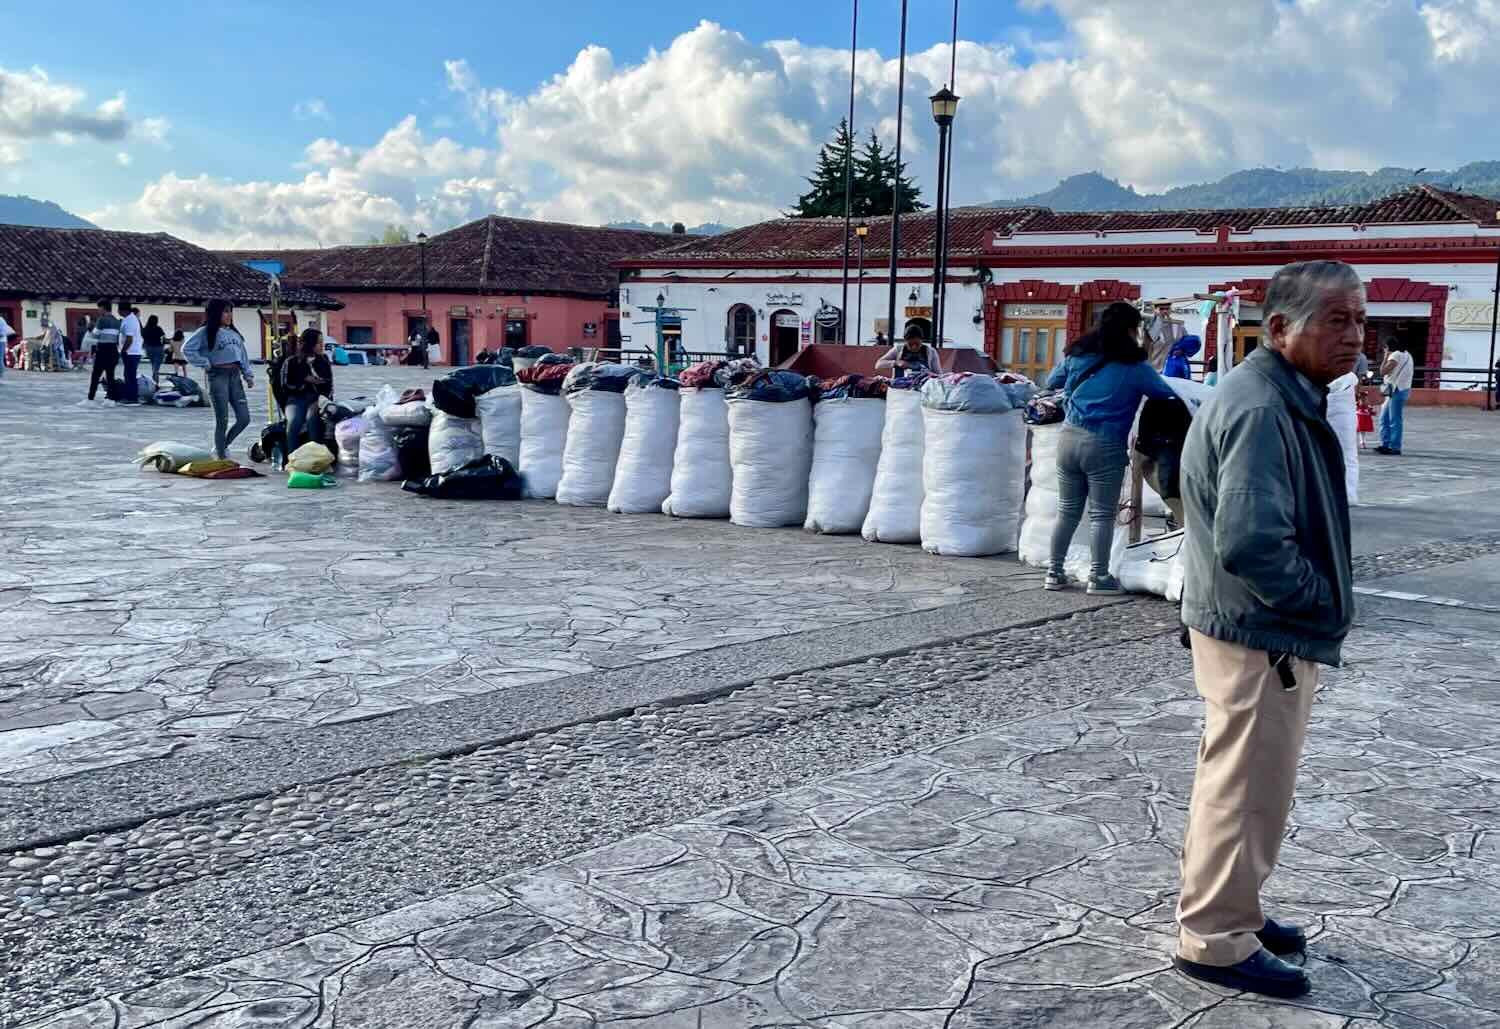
<point>944,109</point>
<point>862,230</point>
<point>422,250</point>
<point>895,238</point>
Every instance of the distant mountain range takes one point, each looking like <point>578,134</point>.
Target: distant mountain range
<point>1260,187</point>
<point>706,229</point>
<point>18,210</point>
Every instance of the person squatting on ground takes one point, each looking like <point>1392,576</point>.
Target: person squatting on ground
<point>1268,598</point>
<point>106,332</point>
<point>307,375</point>
<point>1104,375</point>
<point>219,348</point>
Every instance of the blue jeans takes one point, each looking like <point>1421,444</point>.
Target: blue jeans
<point>298,407</point>
<point>226,391</point>
<point>1090,467</point>
<point>1393,419</point>
<point>132,385</point>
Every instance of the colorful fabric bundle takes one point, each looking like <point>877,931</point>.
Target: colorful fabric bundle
<point>547,375</point>
<point>855,387</point>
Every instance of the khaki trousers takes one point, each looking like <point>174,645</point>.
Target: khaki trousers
<point>1242,794</point>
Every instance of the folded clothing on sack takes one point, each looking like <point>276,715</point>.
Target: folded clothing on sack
<point>966,391</point>
<point>702,375</point>
<point>410,395</point>
<point>854,387</point>
<point>774,386</point>
<point>536,351</point>
<point>456,392</point>
<point>603,378</point>
<point>547,375</point>
<point>485,478</point>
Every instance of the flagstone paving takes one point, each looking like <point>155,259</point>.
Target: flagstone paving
<point>1022,876</point>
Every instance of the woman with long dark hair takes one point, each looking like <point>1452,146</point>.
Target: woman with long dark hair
<point>220,349</point>
<point>1105,376</point>
<point>307,375</point>
<point>155,338</point>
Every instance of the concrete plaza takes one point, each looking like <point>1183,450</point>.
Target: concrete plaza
<point>358,758</point>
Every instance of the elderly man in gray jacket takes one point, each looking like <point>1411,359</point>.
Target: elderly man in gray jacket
<point>1268,598</point>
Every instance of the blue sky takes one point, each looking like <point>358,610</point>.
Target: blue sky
<point>284,123</point>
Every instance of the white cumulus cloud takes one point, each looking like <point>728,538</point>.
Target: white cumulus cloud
<point>717,127</point>
<point>34,108</point>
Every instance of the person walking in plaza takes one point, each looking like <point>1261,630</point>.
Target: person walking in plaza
<point>1105,376</point>
<point>106,333</point>
<point>6,332</point>
<point>1163,332</point>
<point>155,338</point>
<point>174,354</point>
<point>220,349</point>
<point>1397,371</point>
<point>308,375</point>
<point>911,355</point>
<point>132,349</point>
<point>1268,598</point>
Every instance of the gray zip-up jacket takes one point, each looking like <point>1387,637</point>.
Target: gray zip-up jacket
<point>1267,559</point>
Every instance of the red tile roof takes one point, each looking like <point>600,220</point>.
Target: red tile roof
<point>809,239</point>
<point>971,228</point>
<point>61,264</point>
<point>492,255</point>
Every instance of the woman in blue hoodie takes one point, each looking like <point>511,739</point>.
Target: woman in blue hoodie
<point>1105,377</point>
<point>1177,361</point>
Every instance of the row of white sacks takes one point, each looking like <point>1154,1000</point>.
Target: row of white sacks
<point>891,469</point>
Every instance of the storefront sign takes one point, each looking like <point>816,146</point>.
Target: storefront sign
<point>1048,312</point>
<point>787,320</point>
<point>459,311</point>
<point>515,312</point>
<point>828,316</point>
<point>1470,314</point>
<point>789,299</point>
<point>919,312</point>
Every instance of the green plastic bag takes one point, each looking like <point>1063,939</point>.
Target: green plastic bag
<point>307,480</point>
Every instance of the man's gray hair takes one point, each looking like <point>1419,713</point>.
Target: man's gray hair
<point>1297,291</point>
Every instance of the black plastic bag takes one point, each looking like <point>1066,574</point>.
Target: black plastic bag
<point>606,378</point>
<point>411,450</point>
<point>486,478</point>
<point>455,392</point>
<point>775,386</point>
<point>534,350</point>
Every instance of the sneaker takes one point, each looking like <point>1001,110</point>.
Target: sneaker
<point>1105,586</point>
<point>1055,581</point>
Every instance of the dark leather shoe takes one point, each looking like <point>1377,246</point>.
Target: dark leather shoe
<point>1261,973</point>
<point>1282,939</point>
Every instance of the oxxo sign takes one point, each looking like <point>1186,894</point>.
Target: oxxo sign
<point>1470,314</point>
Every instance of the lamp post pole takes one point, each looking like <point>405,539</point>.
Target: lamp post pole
<point>895,240</point>
<point>944,107</point>
<point>422,250</point>
<point>1489,372</point>
<point>861,232</point>
<point>849,180</point>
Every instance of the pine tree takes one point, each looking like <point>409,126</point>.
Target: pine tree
<point>870,193</point>
<point>826,198</point>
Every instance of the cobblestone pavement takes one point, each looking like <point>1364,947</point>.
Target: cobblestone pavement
<point>1021,876</point>
<point>197,613</point>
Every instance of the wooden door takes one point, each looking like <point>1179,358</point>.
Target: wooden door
<point>1032,346</point>
<point>1246,339</point>
<point>458,337</point>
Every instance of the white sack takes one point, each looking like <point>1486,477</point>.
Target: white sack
<point>1343,417</point>
<point>1041,508</point>
<point>1153,566</point>
<point>643,475</point>
<point>896,499</point>
<point>702,479</point>
<point>500,422</point>
<point>453,442</point>
<point>973,474</point>
<point>347,433</point>
<point>377,451</point>
<point>846,452</point>
<point>413,414</point>
<point>770,449</point>
<point>544,435</point>
<point>593,448</point>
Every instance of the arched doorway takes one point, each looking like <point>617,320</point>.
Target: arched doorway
<point>740,331</point>
<point>923,325</point>
<point>786,327</point>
